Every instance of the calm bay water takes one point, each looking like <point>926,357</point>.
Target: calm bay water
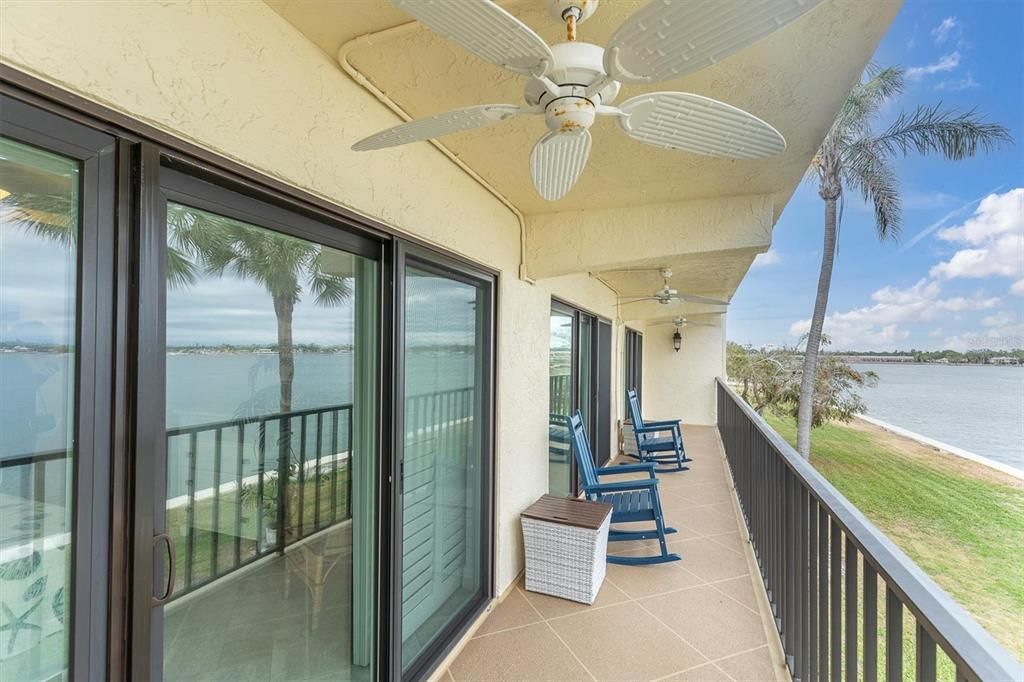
<point>979,408</point>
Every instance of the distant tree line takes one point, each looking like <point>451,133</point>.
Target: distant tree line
<point>980,356</point>
<point>769,380</point>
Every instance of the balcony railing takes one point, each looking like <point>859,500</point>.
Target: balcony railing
<point>299,486</point>
<point>810,543</point>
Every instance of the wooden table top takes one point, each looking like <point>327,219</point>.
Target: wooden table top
<point>568,511</point>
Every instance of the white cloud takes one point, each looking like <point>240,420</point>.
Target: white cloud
<point>1000,319</point>
<point>769,257</point>
<point>957,84</point>
<point>941,32</point>
<point>878,326</point>
<point>993,239</point>
<point>945,63</point>
<point>1017,288</point>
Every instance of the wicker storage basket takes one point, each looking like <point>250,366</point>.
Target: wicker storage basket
<point>566,544</point>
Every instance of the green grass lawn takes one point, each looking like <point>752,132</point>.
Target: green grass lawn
<point>961,522</point>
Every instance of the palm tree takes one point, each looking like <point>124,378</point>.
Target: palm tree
<point>854,157</point>
<point>282,264</point>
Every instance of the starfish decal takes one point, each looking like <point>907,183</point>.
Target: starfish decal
<point>17,623</point>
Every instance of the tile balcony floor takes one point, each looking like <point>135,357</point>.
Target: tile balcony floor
<point>695,619</point>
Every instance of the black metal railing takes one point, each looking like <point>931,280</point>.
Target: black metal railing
<point>289,472</point>
<point>824,566</point>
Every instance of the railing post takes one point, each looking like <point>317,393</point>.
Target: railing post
<point>851,611</point>
<point>870,615</point>
<point>925,655</point>
<point>893,637</point>
<point>215,514</point>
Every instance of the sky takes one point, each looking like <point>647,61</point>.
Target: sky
<point>955,278</point>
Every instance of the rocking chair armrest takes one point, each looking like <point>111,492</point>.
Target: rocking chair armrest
<point>619,486</point>
<point>628,468</point>
<point>649,427</point>
<point>664,422</point>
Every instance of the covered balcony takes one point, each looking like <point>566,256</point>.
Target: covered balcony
<point>282,402</point>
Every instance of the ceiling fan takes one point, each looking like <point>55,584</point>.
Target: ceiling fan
<point>679,322</point>
<point>666,294</point>
<point>571,83</point>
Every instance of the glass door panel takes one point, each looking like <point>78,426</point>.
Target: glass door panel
<point>446,361</point>
<point>270,471</point>
<point>560,396</point>
<point>39,236</point>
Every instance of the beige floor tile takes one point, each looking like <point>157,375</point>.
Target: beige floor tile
<point>515,611</point>
<point>741,589</point>
<point>711,561</point>
<point>705,673</point>
<point>706,521</point>
<point>624,642</point>
<point>733,541</point>
<point>643,581</point>
<point>528,653</point>
<point>711,622</point>
<point>752,666</point>
<point>554,607</point>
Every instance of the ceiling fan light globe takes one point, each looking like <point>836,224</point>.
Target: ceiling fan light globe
<point>569,115</point>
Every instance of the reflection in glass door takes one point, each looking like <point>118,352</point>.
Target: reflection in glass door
<point>39,237</point>
<point>444,459</point>
<point>560,397</point>
<point>270,467</point>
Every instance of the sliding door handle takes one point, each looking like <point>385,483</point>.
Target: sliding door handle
<point>169,587</point>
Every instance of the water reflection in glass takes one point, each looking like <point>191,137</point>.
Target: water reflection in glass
<point>38,252</point>
<point>271,406</point>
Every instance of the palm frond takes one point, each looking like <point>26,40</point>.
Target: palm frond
<point>868,169</point>
<point>53,216</point>
<point>328,289</point>
<point>955,135</point>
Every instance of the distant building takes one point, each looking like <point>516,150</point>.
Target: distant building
<point>1004,360</point>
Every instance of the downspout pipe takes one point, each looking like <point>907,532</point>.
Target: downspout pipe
<point>370,39</point>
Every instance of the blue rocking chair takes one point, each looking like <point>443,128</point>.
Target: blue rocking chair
<point>634,500</point>
<point>649,443</point>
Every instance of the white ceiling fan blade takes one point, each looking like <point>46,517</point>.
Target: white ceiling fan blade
<point>453,121</point>
<point>667,39</point>
<point>486,30</point>
<point>693,298</point>
<point>556,162</point>
<point>692,123</point>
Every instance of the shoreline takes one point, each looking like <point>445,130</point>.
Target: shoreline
<point>945,447</point>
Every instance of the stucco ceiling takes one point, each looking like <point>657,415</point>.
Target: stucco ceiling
<point>795,79</point>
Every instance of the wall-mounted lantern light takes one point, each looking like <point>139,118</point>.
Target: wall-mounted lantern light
<point>677,340</point>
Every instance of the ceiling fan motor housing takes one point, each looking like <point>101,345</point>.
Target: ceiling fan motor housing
<point>576,66</point>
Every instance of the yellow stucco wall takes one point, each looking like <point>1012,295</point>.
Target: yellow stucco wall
<point>235,78</point>
<point>682,385</point>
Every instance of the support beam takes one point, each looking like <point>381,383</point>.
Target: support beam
<point>597,240</point>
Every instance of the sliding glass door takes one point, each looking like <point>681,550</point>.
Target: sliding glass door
<point>53,464</point>
<point>241,436</point>
<point>265,524</point>
<point>445,364</point>
<point>561,400</point>
<point>579,378</point>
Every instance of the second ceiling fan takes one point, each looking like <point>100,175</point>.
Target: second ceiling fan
<point>571,83</point>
